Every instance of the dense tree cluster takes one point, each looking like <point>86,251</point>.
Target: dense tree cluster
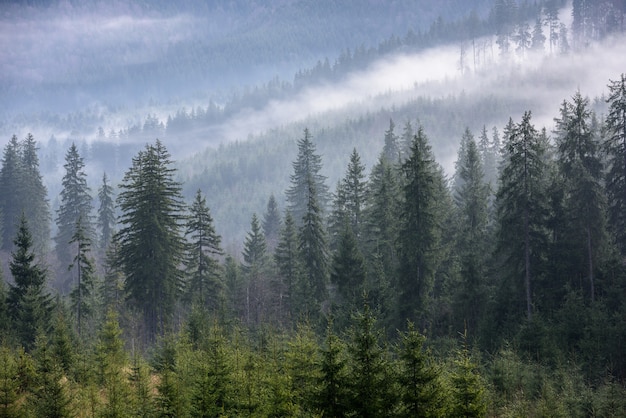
<point>521,252</point>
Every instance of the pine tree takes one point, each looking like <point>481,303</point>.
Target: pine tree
<point>306,173</point>
<point>271,224</point>
<point>212,394</point>
<point>106,213</point>
<point>150,244</point>
<point>581,167</point>
<point>4,309</point>
<point>11,191</point>
<point>468,390</point>
<point>472,203</point>
<point>141,388</point>
<point>63,345</point>
<point>29,303</point>
<point>616,150</point>
<point>420,390</point>
<point>347,276</point>
<point>85,270</point>
<point>368,378</point>
<point>391,148</point>
<point>235,289</point>
<point>381,224</point>
<point>10,390</point>
<point>355,187</point>
<point>112,360</point>
<point>287,262</point>
<point>521,209</point>
<point>255,268</point>
<point>75,205</point>
<point>418,236</point>
<point>112,287</point>
<point>50,395</point>
<point>333,381</point>
<point>313,251</point>
<point>302,363</point>
<point>205,285</point>
<point>538,38</point>
<point>35,206</point>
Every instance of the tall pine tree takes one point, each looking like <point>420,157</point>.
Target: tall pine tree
<point>150,243</point>
<point>521,210</point>
<point>204,279</point>
<point>306,170</point>
<point>616,150</point>
<point>418,237</point>
<point>75,205</point>
<point>28,301</point>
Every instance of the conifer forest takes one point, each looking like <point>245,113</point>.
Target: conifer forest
<point>313,208</point>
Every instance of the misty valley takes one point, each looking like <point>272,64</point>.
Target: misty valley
<point>307,209</point>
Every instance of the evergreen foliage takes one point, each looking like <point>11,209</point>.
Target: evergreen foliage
<point>150,243</point>
<point>287,261</point>
<point>205,285</point>
<point>313,252</point>
<point>271,223</point>
<point>522,213</point>
<point>75,209</point>
<point>306,177</point>
<point>11,191</point>
<point>84,266</point>
<point>106,213</point>
<point>255,269</point>
<point>471,199</point>
<point>28,301</point>
<point>35,206</point>
<point>580,164</point>
<point>421,393</point>
<point>418,236</point>
<point>616,149</point>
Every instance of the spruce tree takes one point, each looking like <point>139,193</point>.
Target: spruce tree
<point>271,224</point>
<point>420,390</point>
<point>349,202</point>
<point>521,211</point>
<point>348,276</point>
<point>381,229</point>
<point>11,191</point>
<point>4,309</point>
<point>84,267</point>
<point>106,213</point>
<point>419,231</point>
<point>368,372</point>
<point>150,244</point>
<point>35,205</point>
<point>255,268</point>
<point>28,300</point>
<point>10,385</point>
<point>616,149</point>
<point>581,167</point>
<point>333,381</point>
<point>391,148</point>
<point>472,204</point>
<point>468,389</point>
<point>313,251</point>
<point>50,397</point>
<point>75,205</point>
<point>212,392</point>
<point>306,173</point>
<point>112,360</point>
<point>288,265</point>
<point>205,285</point>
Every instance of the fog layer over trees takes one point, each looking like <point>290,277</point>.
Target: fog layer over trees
<point>432,225</point>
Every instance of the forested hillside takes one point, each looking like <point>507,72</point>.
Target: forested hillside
<point>362,241</point>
